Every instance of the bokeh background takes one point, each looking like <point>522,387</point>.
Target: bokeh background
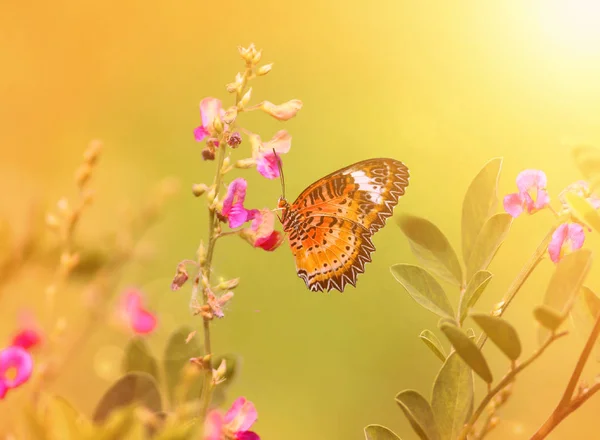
<point>442,86</point>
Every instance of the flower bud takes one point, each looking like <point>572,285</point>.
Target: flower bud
<point>218,124</point>
<point>257,56</point>
<point>63,206</point>
<point>229,284</point>
<point>245,99</point>
<point>234,140</point>
<point>244,164</point>
<point>208,153</point>
<point>284,111</point>
<point>83,174</point>
<point>52,221</point>
<point>198,189</point>
<point>201,254</point>
<point>263,70</point>
<point>181,276</point>
<point>230,115</point>
<point>92,153</point>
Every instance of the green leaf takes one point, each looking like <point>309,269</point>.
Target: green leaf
<point>479,203</point>
<point>548,317</point>
<point>139,388</point>
<point>452,397</point>
<point>468,351</point>
<point>567,280</point>
<point>62,421</point>
<point>378,432</point>
<point>433,343</point>
<point>139,358</point>
<point>418,412</point>
<point>177,356</point>
<point>492,235</point>
<point>501,333</point>
<point>423,288</point>
<point>432,248</point>
<point>582,210</point>
<point>474,289</point>
<point>587,159</point>
<point>591,301</point>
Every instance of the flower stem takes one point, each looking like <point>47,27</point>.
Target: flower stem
<point>568,403</point>
<point>506,380</point>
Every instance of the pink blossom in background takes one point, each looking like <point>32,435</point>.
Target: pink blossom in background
<point>532,195</point>
<point>582,189</point>
<point>209,109</point>
<point>233,203</point>
<point>134,313</point>
<point>234,425</point>
<point>16,366</point>
<point>266,160</point>
<point>568,237</point>
<point>26,338</point>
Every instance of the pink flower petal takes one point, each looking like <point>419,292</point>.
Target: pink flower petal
<point>281,142</point>
<point>271,242</point>
<point>247,435</point>
<point>200,133</point>
<point>233,203</point>
<point>542,200</point>
<point>513,204</point>
<point>247,416</point>
<point>3,389</point>
<point>567,235</point>
<point>213,426</point>
<point>15,359</point>
<point>238,215</point>
<point>143,322</point>
<point>209,109</point>
<point>531,179</point>
<point>235,409</point>
<point>267,165</point>
<point>26,338</point>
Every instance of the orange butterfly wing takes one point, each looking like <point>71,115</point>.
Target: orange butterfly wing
<point>331,223</point>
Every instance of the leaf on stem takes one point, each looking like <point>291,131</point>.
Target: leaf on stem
<point>490,238</point>
<point>473,292</point>
<point>378,432</point>
<point>479,203</point>
<point>500,333</point>
<point>177,356</point>
<point>548,317</point>
<point>139,358</point>
<point>423,288</point>
<point>418,412</point>
<point>433,343</point>
<point>468,351</point>
<point>452,397</point>
<point>582,210</point>
<point>432,248</point>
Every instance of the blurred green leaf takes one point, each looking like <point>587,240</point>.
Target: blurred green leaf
<point>492,235</point>
<point>591,301</point>
<point>432,248</point>
<point>62,421</point>
<point>433,343</point>
<point>418,412</point>
<point>378,432</point>
<point>548,317</point>
<point>452,397</point>
<point>32,424</point>
<point>501,333</point>
<point>449,321</point>
<point>587,159</point>
<point>582,210</point>
<point>479,204</point>
<point>470,333</point>
<point>139,358</point>
<point>6,241</point>
<point>423,288</point>
<point>179,431</point>
<point>473,292</point>
<point>468,351</point>
<point>138,388</point>
<point>177,355</point>
<point>121,424</point>
<point>567,279</point>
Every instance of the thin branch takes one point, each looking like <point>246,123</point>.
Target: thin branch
<point>506,380</point>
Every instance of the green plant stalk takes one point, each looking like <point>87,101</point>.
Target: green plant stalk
<point>567,403</point>
<point>518,282</point>
<point>506,380</point>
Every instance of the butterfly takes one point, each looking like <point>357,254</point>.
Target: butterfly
<point>331,223</point>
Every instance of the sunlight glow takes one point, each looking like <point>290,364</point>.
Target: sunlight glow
<point>572,24</point>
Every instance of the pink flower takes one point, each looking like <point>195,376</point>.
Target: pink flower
<point>234,425</point>
<point>16,366</point>
<point>261,232</point>
<point>582,189</point>
<point>210,108</point>
<point>26,338</point>
<point>568,237</point>
<point>266,161</point>
<point>233,204</point>
<point>134,314</point>
<point>532,195</point>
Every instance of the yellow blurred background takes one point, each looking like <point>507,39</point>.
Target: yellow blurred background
<point>442,86</point>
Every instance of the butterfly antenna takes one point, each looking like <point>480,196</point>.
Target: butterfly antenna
<point>280,166</point>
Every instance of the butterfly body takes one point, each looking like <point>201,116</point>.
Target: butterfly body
<point>331,223</point>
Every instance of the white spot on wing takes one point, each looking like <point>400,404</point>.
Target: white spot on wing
<point>365,184</point>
